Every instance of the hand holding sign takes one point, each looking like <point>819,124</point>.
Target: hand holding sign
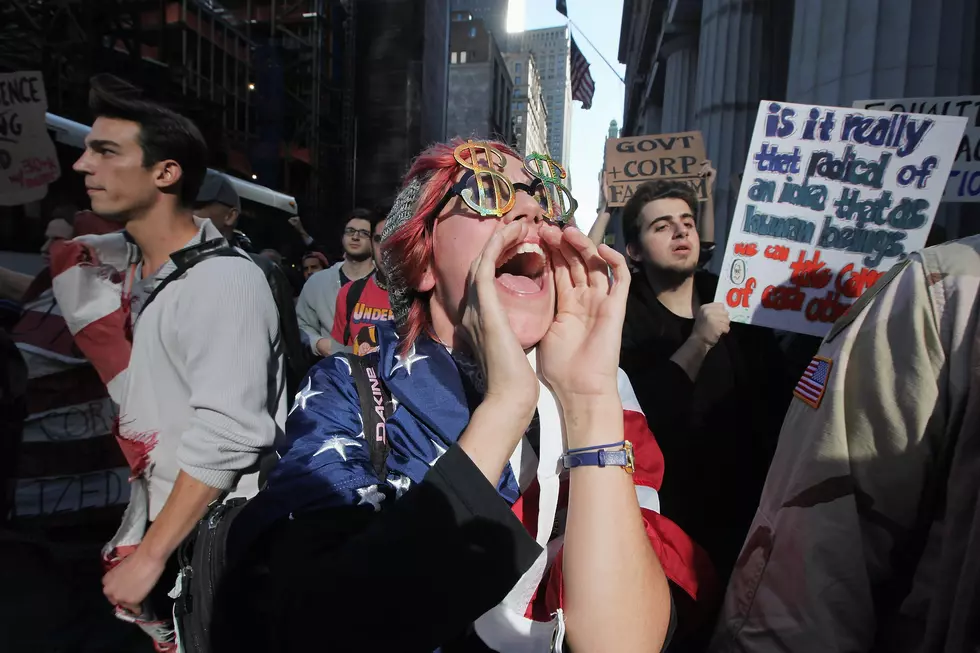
<point>711,323</point>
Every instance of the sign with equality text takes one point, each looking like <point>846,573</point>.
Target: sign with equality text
<point>636,160</point>
<point>831,199</point>
<point>28,161</point>
<point>964,178</point>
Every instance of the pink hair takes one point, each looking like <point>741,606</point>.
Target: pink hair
<point>411,244</point>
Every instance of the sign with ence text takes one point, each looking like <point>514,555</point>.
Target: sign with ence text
<point>964,178</point>
<point>636,160</point>
<point>831,198</point>
<point>28,161</point>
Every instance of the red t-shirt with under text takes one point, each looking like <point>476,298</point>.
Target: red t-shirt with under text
<point>372,308</point>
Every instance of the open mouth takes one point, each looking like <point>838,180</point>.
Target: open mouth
<point>522,269</point>
<point>683,249</point>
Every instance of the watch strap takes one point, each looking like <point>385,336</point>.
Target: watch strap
<point>601,458</point>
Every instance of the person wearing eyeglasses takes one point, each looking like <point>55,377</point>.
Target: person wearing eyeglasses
<point>512,503</point>
<point>315,309</point>
<point>362,305</point>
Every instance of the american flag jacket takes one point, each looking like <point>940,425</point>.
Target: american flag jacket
<point>326,463</point>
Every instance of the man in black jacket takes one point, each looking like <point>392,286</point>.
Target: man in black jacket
<point>219,202</point>
<point>714,392</point>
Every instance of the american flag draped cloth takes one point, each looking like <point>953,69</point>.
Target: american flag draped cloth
<point>326,463</point>
<point>90,282</point>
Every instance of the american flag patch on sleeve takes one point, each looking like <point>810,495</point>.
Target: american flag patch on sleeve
<point>813,384</point>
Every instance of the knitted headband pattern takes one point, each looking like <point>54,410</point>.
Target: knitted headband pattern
<point>399,293</point>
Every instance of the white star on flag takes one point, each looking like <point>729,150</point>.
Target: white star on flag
<point>407,361</point>
<point>338,444</point>
<point>439,452</point>
<point>343,359</point>
<point>372,495</point>
<point>401,485</point>
<point>304,395</point>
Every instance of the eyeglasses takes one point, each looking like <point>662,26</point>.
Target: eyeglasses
<point>363,233</point>
<point>489,193</point>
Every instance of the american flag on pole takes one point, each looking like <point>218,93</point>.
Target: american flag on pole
<point>813,384</point>
<point>583,86</point>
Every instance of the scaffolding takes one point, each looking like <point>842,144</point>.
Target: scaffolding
<point>270,82</point>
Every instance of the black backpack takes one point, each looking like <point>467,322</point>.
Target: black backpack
<point>202,556</point>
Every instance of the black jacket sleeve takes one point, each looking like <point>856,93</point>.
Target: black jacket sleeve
<point>415,577</point>
<point>662,387</point>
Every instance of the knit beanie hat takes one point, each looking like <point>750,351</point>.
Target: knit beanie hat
<point>399,293</point>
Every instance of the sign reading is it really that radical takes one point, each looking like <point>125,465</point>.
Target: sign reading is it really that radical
<point>830,200</point>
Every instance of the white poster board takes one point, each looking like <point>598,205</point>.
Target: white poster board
<point>28,161</point>
<point>964,178</point>
<point>831,198</point>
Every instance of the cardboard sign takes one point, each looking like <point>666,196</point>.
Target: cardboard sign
<point>638,159</point>
<point>964,178</point>
<point>28,161</point>
<point>831,198</point>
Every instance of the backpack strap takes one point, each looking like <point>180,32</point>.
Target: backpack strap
<point>353,294</point>
<point>375,409</point>
<point>187,258</point>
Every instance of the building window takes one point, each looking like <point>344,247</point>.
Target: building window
<point>520,119</point>
<point>517,67</point>
<point>517,80</point>
<point>472,32</point>
<point>462,57</point>
<point>452,57</point>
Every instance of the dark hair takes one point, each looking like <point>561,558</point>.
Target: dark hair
<point>657,189</point>
<point>164,134</point>
<point>372,217</point>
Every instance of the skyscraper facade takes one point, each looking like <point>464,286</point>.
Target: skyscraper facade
<point>493,13</point>
<point>527,108</point>
<point>480,87</point>
<point>551,48</point>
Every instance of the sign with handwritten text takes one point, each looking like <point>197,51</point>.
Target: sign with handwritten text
<point>964,178</point>
<point>831,199</point>
<point>638,159</point>
<point>28,161</point>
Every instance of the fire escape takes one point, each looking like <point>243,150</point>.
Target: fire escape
<point>269,82</point>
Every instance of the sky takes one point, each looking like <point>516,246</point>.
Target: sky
<point>601,21</point>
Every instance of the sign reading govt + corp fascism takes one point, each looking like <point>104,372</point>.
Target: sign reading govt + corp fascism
<point>831,199</point>
<point>635,160</point>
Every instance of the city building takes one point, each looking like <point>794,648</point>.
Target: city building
<point>493,13</point>
<point>325,100</point>
<point>551,48</point>
<point>401,79</point>
<point>706,65</point>
<point>480,88</point>
<point>529,114</point>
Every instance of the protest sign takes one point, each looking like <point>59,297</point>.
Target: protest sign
<point>638,159</point>
<point>28,161</point>
<point>831,199</point>
<point>964,178</point>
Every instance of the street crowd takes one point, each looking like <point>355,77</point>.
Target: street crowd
<point>481,429</point>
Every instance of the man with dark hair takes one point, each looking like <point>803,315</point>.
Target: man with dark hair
<point>318,299</point>
<point>712,391</point>
<point>363,305</point>
<point>198,409</point>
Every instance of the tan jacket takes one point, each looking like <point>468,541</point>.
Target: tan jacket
<point>867,537</point>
